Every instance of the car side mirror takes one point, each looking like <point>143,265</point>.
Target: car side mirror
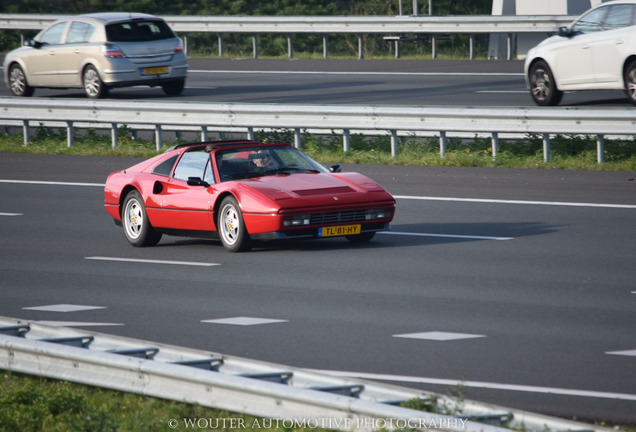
<point>196,181</point>
<point>335,168</point>
<point>564,32</point>
<point>33,43</point>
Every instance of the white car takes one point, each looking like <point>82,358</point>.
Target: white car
<point>97,52</point>
<point>596,52</point>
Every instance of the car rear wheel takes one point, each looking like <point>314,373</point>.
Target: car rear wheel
<point>135,221</point>
<point>93,85</point>
<point>543,88</point>
<point>231,226</point>
<point>18,82</point>
<point>630,81</point>
<point>173,88</point>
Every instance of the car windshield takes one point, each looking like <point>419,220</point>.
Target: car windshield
<point>138,31</point>
<point>250,162</point>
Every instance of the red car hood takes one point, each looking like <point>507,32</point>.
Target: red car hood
<point>313,189</point>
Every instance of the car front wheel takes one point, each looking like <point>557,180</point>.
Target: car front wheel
<point>543,88</point>
<point>231,226</point>
<point>93,85</point>
<point>630,82</point>
<point>18,82</point>
<point>135,221</point>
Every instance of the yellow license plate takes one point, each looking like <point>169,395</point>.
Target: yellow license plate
<point>155,70</point>
<point>339,230</point>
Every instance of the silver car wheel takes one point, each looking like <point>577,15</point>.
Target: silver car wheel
<point>630,82</point>
<point>133,219</point>
<point>542,85</point>
<point>230,224</point>
<point>18,82</point>
<point>93,85</point>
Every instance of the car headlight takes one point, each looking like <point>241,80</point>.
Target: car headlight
<point>300,220</point>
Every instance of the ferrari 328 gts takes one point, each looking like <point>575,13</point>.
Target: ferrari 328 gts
<point>241,191</point>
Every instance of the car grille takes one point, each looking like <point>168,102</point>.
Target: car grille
<point>338,217</point>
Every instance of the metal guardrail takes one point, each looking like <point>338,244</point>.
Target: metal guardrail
<point>326,25</point>
<point>295,396</point>
<point>370,120</point>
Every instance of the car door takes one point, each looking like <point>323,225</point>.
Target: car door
<point>184,206</point>
<point>70,55</point>
<point>41,62</point>
<point>610,45</point>
<point>573,57</point>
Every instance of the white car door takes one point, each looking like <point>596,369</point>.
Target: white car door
<point>610,46</point>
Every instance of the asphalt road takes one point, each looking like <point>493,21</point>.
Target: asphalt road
<point>485,83</point>
<point>535,293</point>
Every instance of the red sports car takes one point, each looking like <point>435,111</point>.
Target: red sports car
<point>240,191</point>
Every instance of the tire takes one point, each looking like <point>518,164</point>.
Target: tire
<point>630,81</point>
<point>173,88</point>
<point>543,88</point>
<point>360,238</point>
<point>231,226</point>
<point>93,85</point>
<point>18,82</point>
<point>135,222</point>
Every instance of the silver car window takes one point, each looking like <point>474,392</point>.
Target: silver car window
<point>192,164</point>
<point>79,32</point>
<point>53,35</point>
<point>138,31</point>
<point>619,16</point>
<point>590,22</point>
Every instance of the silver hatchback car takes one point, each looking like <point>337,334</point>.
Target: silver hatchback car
<point>97,52</point>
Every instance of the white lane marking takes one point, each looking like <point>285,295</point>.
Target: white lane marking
<point>498,201</point>
<point>426,198</point>
<point>446,235</point>
<point>77,324</point>
<point>438,336</point>
<point>149,261</point>
<point>631,353</point>
<point>503,91</point>
<point>243,321</point>
<point>63,308</point>
<point>55,183</point>
<point>485,385</point>
<point>468,74</point>
<point>11,214</point>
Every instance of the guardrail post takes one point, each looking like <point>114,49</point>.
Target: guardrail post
<point>158,137</point>
<point>346,140</point>
<point>26,132</point>
<point>297,138</point>
<point>394,143</point>
<point>290,46</point>
<point>325,46</point>
<point>186,45</point>
<point>220,40</point>
<point>471,47</point>
<point>360,47</point>
<point>434,46</point>
<point>70,135</point>
<point>255,46</point>
<point>250,134</point>
<point>443,144</point>
<point>114,135</point>
<point>509,46</point>
<point>495,144</point>
<point>600,148</point>
<point>546,148</point>
<point>204,133</point>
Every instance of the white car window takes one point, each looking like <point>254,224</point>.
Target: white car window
<point>619,16</point>
<point>53,35</point>
<point>79,32</point>
<point>591,22</point>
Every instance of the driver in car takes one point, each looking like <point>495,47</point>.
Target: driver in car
<point>263,161</point>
